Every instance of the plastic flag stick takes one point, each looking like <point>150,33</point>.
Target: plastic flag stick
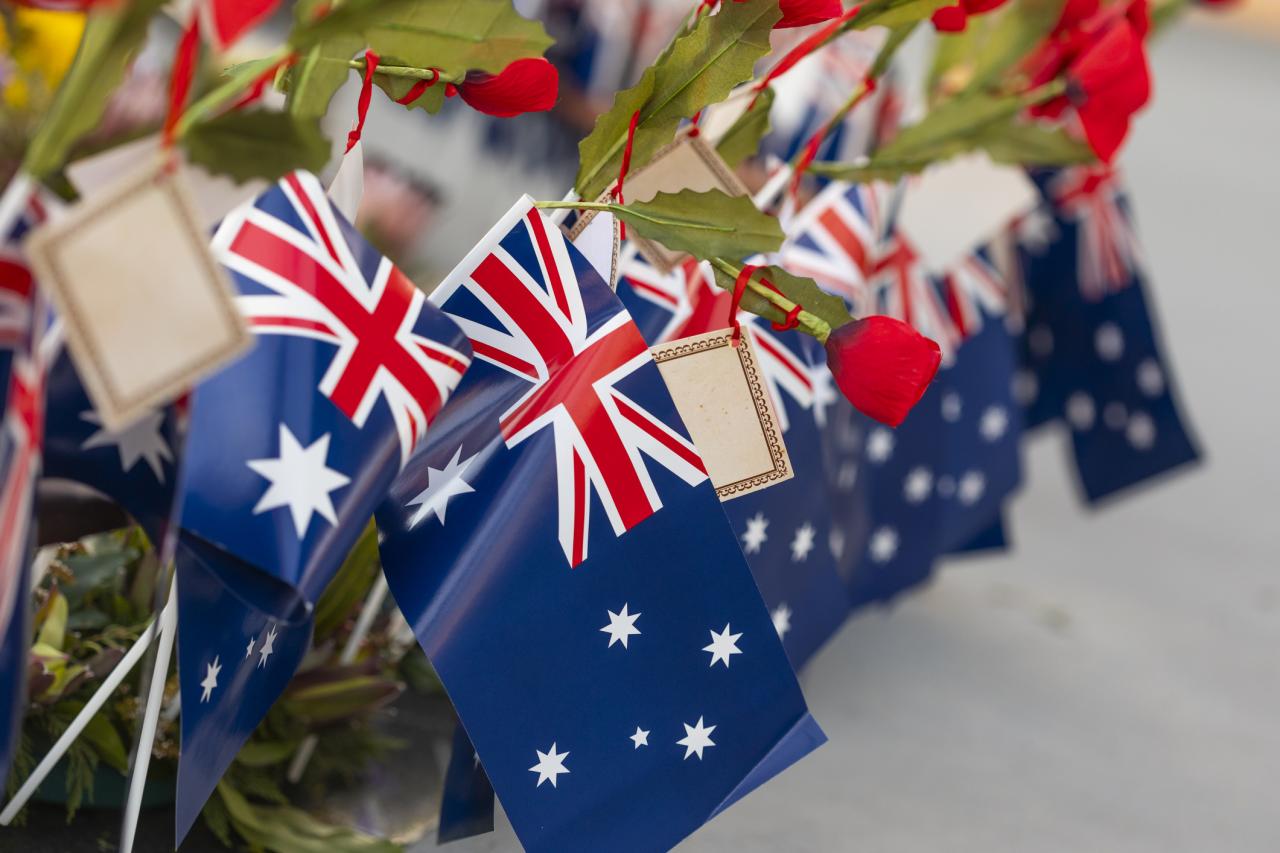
<point>151,716</point>
<point>96,701</point>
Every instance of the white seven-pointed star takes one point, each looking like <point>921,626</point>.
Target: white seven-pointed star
<point>442,484</point>
<point>210,679</point>
<point>782,619</point>
<point>918,485</point>
<point>972,485</point>
<point>696,738</point>
<point>723,646</point>
<point>879,444</point>
<point>300,480</point>
<point>248,650</point>
<point>140,440</point>
<point>883,544</point>
<point>550,765</point>
<point>268,647</point>
<point>755,535</point>
<point>802,544</point>
<point>621,626</point>
<point>640,738</point>
<point>993,423</point>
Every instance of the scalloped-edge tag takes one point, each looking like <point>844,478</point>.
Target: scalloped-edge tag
<point>720,392</point>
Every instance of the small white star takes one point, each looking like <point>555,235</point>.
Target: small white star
<point>550,765</point>
<point>918,485</point>
<point>268,647</point>
<point>442,484</point>
<point>723,646</point>
<point>1040,341</point>
<point>782,619</point>
<point>1150,378</point>
<point>883,544</point>
<point>879,444</point>
<point>972,485</point>
<point>210,679</point>
<point>696,738</point>
<point>1108,340</point>
<point>847,475</point>
<point>141,440</point>
<point>300,480</point>
<point>1080,411</point>
<point>640,738</point>
<point>952,407</point>
<point>1115,415</point>
<point>1141,431</point>
<point>622,625</point>
<point>1025,387</point>
<point>993,423</point>
<point>755,535</point>
<point>802,544</point>
<point>248,651</point>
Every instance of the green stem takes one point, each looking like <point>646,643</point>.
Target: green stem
<point>628,212</point>
<point>240,79</point>
<point>811,323</point>
<point>410,71</point>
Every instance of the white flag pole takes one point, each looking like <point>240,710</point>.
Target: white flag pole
<point>96,701</point>
<point>151,716</point>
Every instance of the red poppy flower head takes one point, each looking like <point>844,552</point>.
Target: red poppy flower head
<point>882,365</point>
<point>801,13</point>
<point>1108,82</point>
<point>525,86</point>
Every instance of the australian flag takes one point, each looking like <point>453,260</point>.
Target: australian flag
<point>1091,354</point>
<point>564,561</point>
<point>21,433</point>
<point>783,530</point>
<point>291,449</point>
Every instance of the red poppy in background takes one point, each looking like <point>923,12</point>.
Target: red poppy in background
<point>882,365</point>
<point>525,86</point>
<point>954,19</point>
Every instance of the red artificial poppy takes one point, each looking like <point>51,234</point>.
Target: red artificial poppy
<point>954,19</point>
<point>1107,84</point>
<point>801,13</point>
<point>525,86</point>
<point>882,365</point>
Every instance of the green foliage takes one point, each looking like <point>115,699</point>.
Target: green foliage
<point>1025,143</point>
<point>707,225</point>
<point>283,829</point>
<point>742,139</point>
<point>457,36</point>
<point>257,144</point>
<point>350,585</point>
<point>318,75</point>
<point>895,13</point>
<point>113,34</point>
<point>701,67</point>
<point>828,311</point>
<point>992,44</point>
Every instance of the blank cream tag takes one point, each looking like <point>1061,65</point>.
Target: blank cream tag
<point>722,398</point>
<point>146,308</point>
<point>599,239</point>
<point>955,207</point>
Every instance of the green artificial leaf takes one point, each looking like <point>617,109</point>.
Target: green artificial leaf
<point>319,74</point>
<point>1003,38</point>
<point>457,36</point>
<point>396,87</point>
<point>258,143</point>
<point>266,753</point>
<point>96,572</point>
<point>702,67</point>
<point>1024,143</point>
<point>53,631</point>
<point>895,13</point>
<point>319,22</point>
<point>950,127</point>
<point>288,830</point>
<point>106,742</point>
<point>337,700</point>
<point>801,291</point>
<point>113,34</point>
<point>350,584</point>
<point>709,224</point>
<point>742,139</point>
